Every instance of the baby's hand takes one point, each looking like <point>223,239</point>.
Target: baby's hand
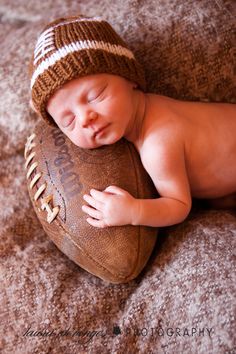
<point>112,207</point>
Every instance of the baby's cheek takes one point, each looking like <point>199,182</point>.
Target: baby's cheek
<point>71,136</point>
<point>78,140</point>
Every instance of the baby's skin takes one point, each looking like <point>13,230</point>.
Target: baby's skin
<point>187,148</point>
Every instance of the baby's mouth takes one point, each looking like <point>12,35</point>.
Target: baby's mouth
<point>100,130</point>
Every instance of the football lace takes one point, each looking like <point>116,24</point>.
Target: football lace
<point>30,166</point>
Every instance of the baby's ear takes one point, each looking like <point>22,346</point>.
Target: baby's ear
<point>32,106</point>
<point>132,84</point>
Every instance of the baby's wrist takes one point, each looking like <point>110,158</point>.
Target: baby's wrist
<point>135,212</point>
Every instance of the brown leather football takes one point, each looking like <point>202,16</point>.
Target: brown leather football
<point>58,175</point>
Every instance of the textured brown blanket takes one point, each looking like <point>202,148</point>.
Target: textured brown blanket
<point>184,300</point>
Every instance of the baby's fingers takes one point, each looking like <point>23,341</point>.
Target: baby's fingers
<point>115,190</point>
<point>92,201</point>
<point>92,212</point>
<point>96,223</point>
<point>99,196</point>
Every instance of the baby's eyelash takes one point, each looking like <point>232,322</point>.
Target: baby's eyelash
<point>70,122</point>
<point>99,94</point>
<point>93,98</point>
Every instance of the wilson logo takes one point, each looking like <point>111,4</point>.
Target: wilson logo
<point>69,179</point>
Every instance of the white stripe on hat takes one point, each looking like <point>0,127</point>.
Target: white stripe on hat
<point>78,46</point>
<point>44,45</point>
<point>47,37</point>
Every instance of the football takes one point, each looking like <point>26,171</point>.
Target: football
<point>59,173</point>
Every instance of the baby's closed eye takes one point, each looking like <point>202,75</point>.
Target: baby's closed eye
<point>67,121</point>
<point>94,95</point>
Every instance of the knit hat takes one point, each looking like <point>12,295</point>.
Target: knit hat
<point>73,47</point>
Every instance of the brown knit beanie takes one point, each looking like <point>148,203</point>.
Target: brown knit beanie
<point>73,47</point>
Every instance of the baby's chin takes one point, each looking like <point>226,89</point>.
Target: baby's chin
<point>111,137</point>
<point>87,145</point>
<point>92,145</point>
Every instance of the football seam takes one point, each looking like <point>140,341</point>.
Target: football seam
<point>53,184</point>
<point>31,167</point>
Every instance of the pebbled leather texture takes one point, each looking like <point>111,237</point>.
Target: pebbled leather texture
<point>62,174</point>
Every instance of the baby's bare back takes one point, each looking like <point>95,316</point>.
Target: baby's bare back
<point>209,134</point>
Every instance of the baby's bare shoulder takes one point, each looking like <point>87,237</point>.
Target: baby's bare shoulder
<point>163,130</point>
<point>163,157</point>
<point>163,148</point>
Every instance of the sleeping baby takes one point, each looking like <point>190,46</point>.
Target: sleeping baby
<point>85,80</point>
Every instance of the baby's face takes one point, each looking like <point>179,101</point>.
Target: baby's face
<point>94,110</point>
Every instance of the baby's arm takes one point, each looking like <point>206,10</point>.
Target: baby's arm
<point>114,206</point>
<point>166,167</point>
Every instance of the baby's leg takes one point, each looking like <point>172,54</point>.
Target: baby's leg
<point>227,202</point>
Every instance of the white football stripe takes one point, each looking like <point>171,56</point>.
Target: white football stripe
<point>42,53</point>
<point>44,36</point>
<point>49,32</point>
<point>43,44</point>
<point>78,46</point>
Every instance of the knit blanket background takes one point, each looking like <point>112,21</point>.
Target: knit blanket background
<point>184,300</point>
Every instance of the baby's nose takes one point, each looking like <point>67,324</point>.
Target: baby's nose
<point>88,118</point>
